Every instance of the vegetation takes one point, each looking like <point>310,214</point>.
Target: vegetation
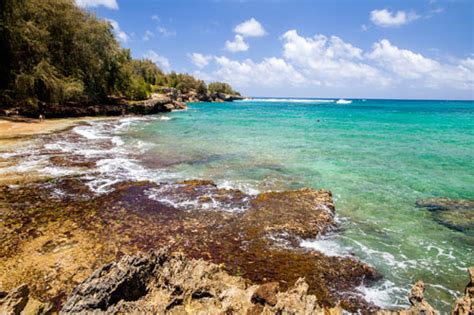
<point>220,87</point>
<point>54,52</point>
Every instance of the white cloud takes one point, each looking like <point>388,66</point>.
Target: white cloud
<point>270,72</point>
<point>148,35</point>
<point>386,18</point>
<point>155,17</point>
<point>200,60</point>
<point>161,61</point>
<point>165,32</point>
<point>405,63</point>
<point>119,34</point>
<point>408,66</point>
<point>250,28</point>
<point>328,63</point>
<point>238,44</point>
<point>111,4</point>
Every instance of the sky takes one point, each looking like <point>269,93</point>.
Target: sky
<point>301,48</point>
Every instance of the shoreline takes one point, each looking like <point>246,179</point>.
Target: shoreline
<point>11,129</point>
<point>65,234</point>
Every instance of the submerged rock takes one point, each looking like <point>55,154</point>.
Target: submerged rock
<point>456,214</point>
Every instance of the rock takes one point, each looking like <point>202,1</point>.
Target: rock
<point>456,214</point>
<point>303,213</point>
<point>266,294</point>
<point>418,303</point>
<point>18,301</point>
<point>465,305</point>
<point>417,300</point>
<point>164,283</point>
<point>15,301</point>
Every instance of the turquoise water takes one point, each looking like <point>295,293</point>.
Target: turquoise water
<point>378,157</point>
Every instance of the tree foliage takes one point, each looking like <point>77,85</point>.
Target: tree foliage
<point>54,52</point>
<point>220,87</point>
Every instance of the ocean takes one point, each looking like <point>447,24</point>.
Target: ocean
<point>388,163</point>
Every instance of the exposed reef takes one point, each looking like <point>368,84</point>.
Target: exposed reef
<point>54,234</point>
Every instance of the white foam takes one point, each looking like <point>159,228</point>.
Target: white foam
<point>89,132</point>
<point>242,186</point>
<point>343,101</point>
<point>287,100</point>
<point>327,246</point>
<point>384,294</point>
<point>165,118</point>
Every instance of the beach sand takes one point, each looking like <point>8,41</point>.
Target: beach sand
<point>18,132</point>
<point>11,129</point>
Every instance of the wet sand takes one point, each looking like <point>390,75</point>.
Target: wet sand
<point>18,128</point>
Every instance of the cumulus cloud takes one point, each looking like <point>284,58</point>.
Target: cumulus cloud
<point>386,18</point>
<point>238,44</point>
<point>269,72</point>
<point>330,63</point>
<point>407,65</point>
<point>160,60</point>
<point>118,32</point>
<point>111,4</point>
<point>250,28</point>
<point>200,60</point>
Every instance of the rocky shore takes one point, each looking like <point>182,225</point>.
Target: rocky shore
<point>241,251</point>
<point>167,100</point>
<point>54,243</point>
<point>161,282</point>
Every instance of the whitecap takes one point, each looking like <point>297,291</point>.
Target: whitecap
<point>288,100</point>
<point>343,101</point>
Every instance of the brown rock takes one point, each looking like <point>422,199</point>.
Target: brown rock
<point>303,213</point>
<point>165,283</point>
<point>418,303</point>
<point>266,294</point>
<point>15,301</point>
<point>465,305</point>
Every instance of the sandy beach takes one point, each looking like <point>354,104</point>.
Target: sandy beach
<point>13,129</point>
<point>16,133</point>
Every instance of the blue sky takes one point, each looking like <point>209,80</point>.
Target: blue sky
<point>367,49</point>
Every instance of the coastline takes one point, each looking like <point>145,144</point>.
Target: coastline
<point>63,203</point>
<point>56,230</point>
<point>11,129</point>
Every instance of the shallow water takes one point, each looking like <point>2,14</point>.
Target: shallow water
<point>378,157</point>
